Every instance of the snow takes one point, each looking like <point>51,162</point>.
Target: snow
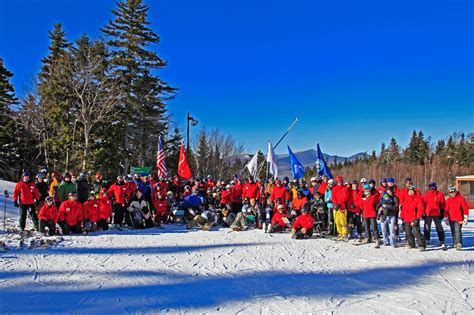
<point>179,271</point>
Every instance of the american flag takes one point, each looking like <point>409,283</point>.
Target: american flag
<point>161,160</point>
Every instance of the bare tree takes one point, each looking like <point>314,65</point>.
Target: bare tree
<point>96,94</point>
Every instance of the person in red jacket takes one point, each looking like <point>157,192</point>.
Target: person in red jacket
<point>457,214</point>
<point>298,203</point>
<point>71,215</point>
<point>411,213</point>
<point>434,207</point>
<point>236,196</point>
<point>354,214</point>
<point>279,191</point>
<point>340,198</point>
<point>226,196</point>
<point>105,210</point>
<point>119,194</point>
<point>303,226</point>
<point>91,210</point>
<point>323,185</point>
<point>383,186</point>
<point>279,221</point>
<point>161,208</point>
<point>368,202</point>
<point>26,191</point>
<point>251,191</point>
<point>48,217</point>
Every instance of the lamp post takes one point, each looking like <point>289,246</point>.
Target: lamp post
<point>193,121</point>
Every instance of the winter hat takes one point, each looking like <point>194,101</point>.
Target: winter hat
<point>383,180</point>
<point>390,180</point>
<point>408,180</point>
<point>433,185</point>
<point>339,178</point>
<point>49,198</point>
<point>372,181</point>
<point>280,207</point>
<point>25,173</point>
<point>313,179</point>
<point>366,186</point>
<point>411,187</point>
<point>331,181</point>
<point>451,189</point>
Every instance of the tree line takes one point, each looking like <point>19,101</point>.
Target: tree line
<point>95,104</point>
<point>422,160</point>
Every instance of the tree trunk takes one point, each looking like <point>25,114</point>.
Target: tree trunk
<point>86,146</point>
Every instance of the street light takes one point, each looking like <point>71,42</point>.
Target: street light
<point>194,123</point>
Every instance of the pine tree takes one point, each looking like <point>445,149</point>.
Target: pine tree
<point>393,151</point>
<point>383,154</point>
<point>172,145</point>
<point>55,100</point>
<point>8,145</point>
<point>424,148</point>
<point>412,152</point>
<point>202,154</point>
<point>143,109</point>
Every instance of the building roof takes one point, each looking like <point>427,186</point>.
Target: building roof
<point>465,177</point>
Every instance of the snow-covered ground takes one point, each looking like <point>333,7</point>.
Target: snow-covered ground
<point>179,271</point>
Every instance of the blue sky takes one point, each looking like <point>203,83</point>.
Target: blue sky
<point>356,73</point>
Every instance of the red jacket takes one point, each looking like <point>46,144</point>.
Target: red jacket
<point>304,221</point>
<point>368,205</point>
<point>161,206</point>
<point>119,192</point>
<point>280,192</point>
<point>131,190</point>
<point>322,188</point>
<point>71,212</point>
<point>48,213</point>
<point>278,218</point>
<point>236,193</point>
<point>434,201</point>
<point>105,209</point>
<point>340,196</point>
<point>382,189</point>
<point>353,203</point>
<point>412,209</point>
<point>91,209</point>
<point>404,193</point>
<point>225,197</point>
<point>27,192</point>
<point>456,208</point>
<point>251,191</point>
<point>297,203</point>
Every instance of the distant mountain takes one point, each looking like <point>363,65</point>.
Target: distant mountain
<point>307,158</point>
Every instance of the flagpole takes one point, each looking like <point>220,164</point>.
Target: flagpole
<point>279,141</point>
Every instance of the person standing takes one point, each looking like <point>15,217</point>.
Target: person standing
<point>118,193</point>
<point>368,202</point>
<point>434,207</point>
<point>66,187</point>
<point>26,192</point>
<point>457,214</point>
<point>411,213</point>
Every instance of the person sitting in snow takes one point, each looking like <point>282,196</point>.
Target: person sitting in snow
<point>135,211</point>
<point>279,221</point>
<point>227,216</point>
<point>205,220</point>
<point>48,217</point>
<point>303,226</point>
<point>91,213</point>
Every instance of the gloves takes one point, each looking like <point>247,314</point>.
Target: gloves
<point>466,219</point>
<point>446,221</point>
<point>16,204</point>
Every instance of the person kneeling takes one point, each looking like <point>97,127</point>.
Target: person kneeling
<point>303,226</point>
<point>70,215</point>
<point>204,220</point>
<point>48,217</point>
<point>279,221</point>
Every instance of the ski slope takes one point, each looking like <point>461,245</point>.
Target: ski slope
<point>173,270</point>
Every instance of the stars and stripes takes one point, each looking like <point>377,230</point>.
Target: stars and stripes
<point>161,160</point>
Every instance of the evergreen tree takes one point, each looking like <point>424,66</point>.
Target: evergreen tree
<point>172,146</point>
<point>8,145</point>
<point>393,151</point>
<point>55,100</point>
<point>143,109</point>
<point>383,154</point>
<point>424,148</point>
<point>412,152</point>
<point>202,154</point>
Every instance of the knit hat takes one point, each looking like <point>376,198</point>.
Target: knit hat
<point>366,186</point>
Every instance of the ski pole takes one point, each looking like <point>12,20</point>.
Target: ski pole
<point>5,196</point>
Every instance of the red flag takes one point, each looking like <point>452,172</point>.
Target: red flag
<point>183,167</point>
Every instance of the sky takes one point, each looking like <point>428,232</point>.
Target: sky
<point>355,73</point>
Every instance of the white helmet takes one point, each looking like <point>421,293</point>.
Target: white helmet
<point>363,180</point>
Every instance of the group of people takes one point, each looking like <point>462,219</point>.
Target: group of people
<point>71,203</point>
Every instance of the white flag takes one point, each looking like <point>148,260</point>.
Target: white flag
<point>272,161</point>
<point>252,165</point>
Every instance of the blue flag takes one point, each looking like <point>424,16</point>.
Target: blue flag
<point>323,168</point>
<point>296,168</point>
